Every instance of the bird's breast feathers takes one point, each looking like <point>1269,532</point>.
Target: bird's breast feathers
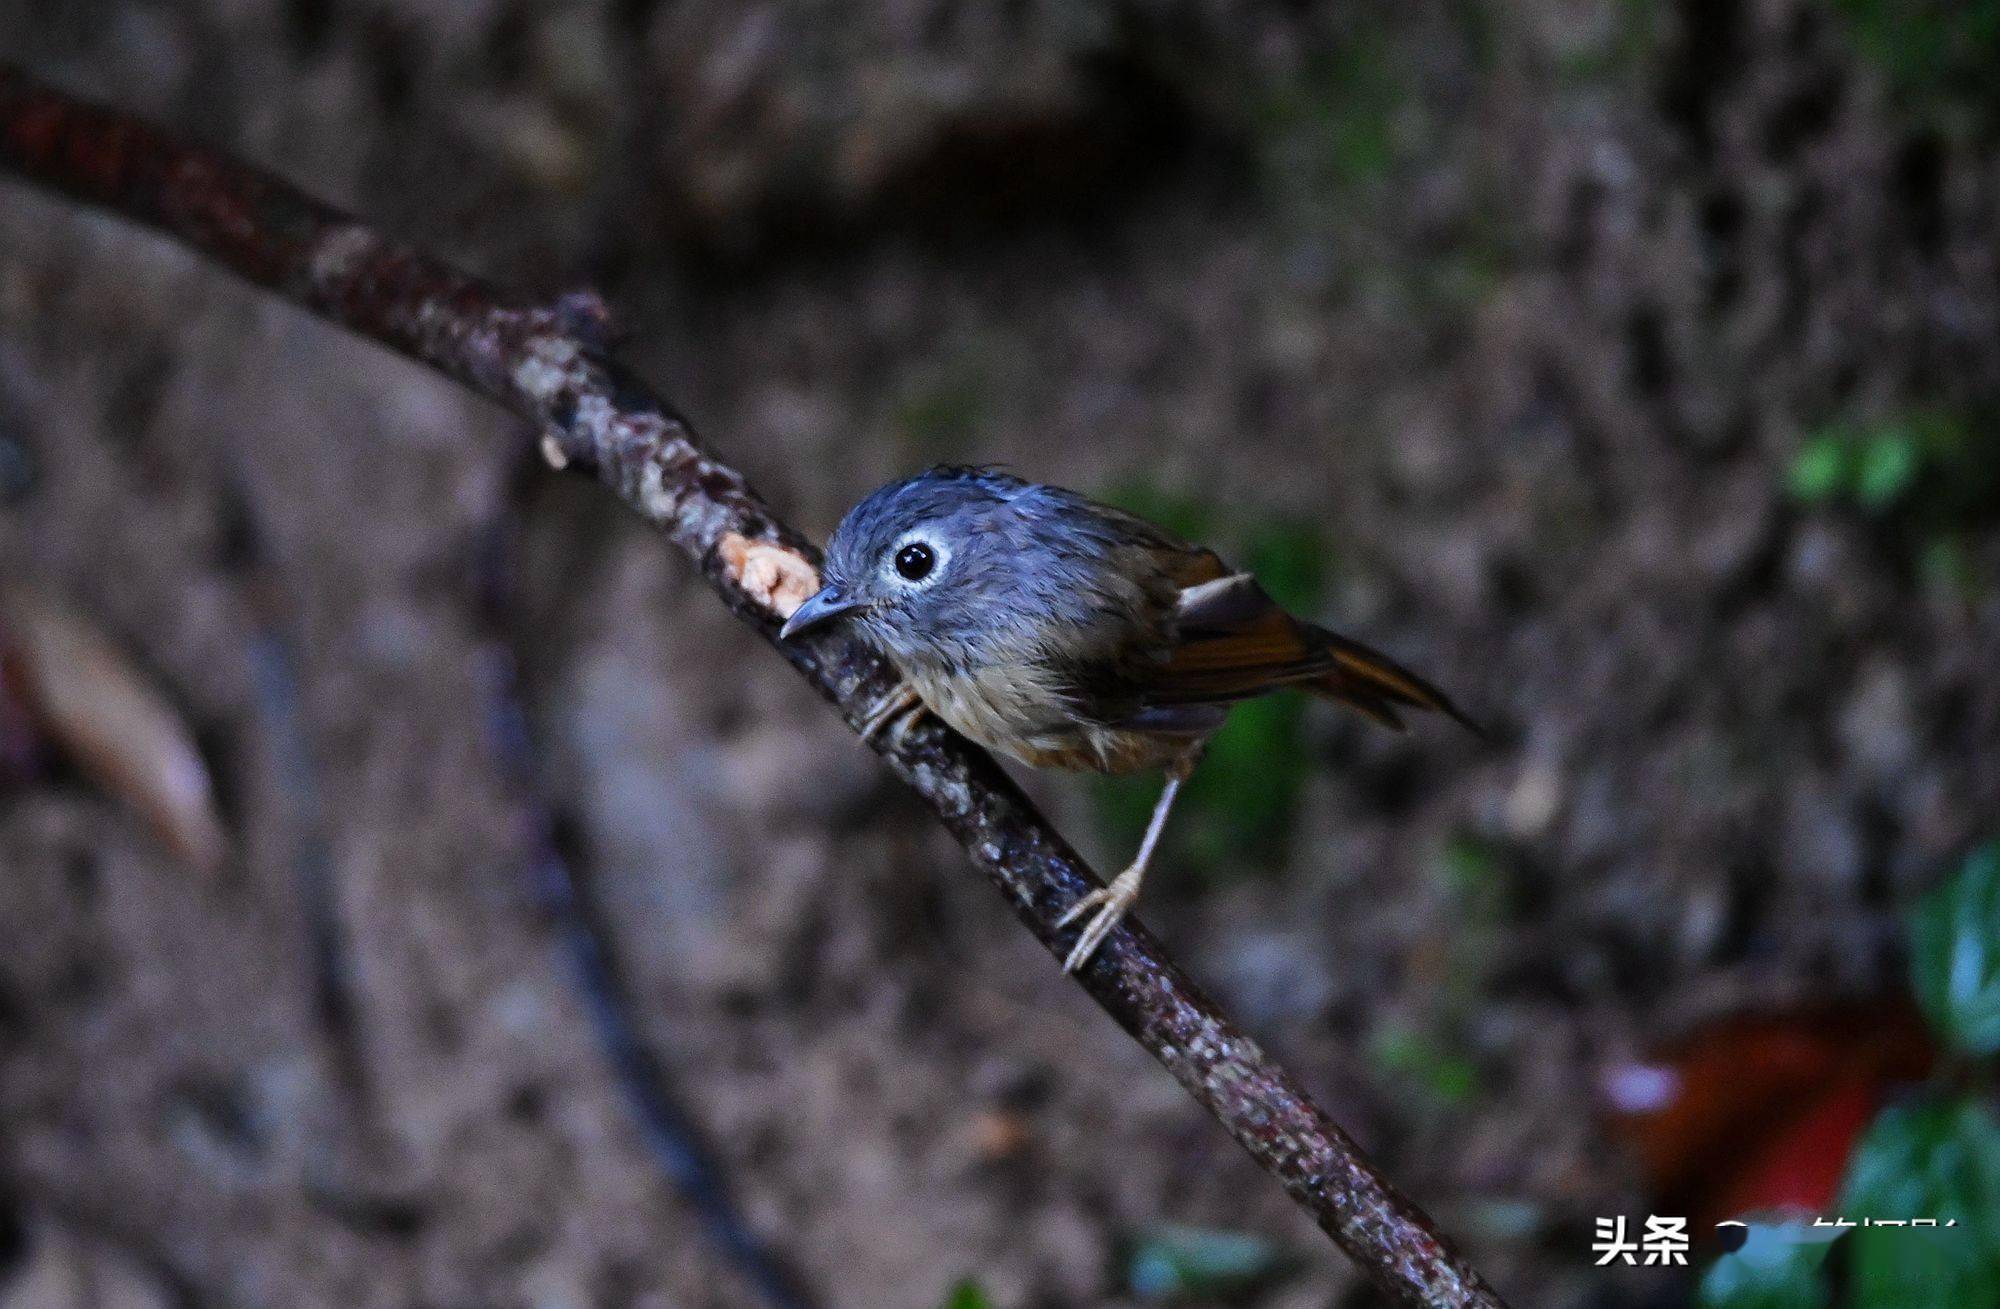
<point>1024,710</point>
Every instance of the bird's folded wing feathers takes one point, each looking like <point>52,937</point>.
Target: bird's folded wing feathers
<point>1235,642</point>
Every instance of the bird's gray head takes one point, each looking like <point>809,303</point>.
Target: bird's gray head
<point>940,566</point>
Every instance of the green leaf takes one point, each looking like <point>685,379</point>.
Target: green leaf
<point>1931,1159</point>
<point>1889,465</point>
<point>968,1294</point>
<point>1777,1267</point>
<point>1171,1263</point>
<point>1822,470</point>
<point>1955,954</point>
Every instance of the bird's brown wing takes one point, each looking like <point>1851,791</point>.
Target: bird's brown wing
<point>1160,552</point>
<point>1235,642</point>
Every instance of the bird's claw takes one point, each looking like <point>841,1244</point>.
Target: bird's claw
<point>894,715</point>
<point>1112,903</point>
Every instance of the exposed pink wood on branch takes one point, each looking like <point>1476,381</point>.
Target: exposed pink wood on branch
<point>549,363</point>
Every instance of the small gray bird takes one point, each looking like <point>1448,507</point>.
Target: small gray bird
<point>1068,634</point>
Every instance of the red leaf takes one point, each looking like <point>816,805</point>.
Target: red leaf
<point>1759,1111</point>
<point>1800,1165</point>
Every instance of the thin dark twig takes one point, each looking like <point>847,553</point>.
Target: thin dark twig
<point>274,672</point>
<point>672,1135</point>
<point>547,362</point>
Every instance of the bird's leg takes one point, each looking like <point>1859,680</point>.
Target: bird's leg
<point>1114,901</point>
<point>898,707</point>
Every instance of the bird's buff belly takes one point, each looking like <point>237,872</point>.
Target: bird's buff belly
<point>1012,716</point>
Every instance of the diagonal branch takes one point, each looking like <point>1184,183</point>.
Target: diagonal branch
<point>548,362</point>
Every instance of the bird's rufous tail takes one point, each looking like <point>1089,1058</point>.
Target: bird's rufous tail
<point>1379,687</point>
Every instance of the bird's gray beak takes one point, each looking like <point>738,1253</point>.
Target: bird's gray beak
<point>817,611</point>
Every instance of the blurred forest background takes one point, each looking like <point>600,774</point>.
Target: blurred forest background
<point>1630,366</point>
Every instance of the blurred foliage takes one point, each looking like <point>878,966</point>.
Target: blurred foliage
<point>1777,1267</point>
<point>1939,1158</point>
<point>1949,565</point>
<point>1332,128</point>
<point>1882,466</point>
<point>1330,137</point>
<point>1240,803</point>
<point>1619,48</point>
<point>1936,1156</point>
<point>1939,56</point>
<point>937,414</point>
<point>1930,476</point>
<point>1424,1055</point>
<point>1172,1264</point>
<point>942,414</point>
<point>968,1294</point>
<point>1955,955</point>
<point>1475,870</point>
<point>1414,1058</point>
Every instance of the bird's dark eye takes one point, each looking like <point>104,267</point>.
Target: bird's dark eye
<point>915,561</point>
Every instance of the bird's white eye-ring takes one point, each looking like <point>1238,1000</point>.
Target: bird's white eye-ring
<point>916,560</point>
